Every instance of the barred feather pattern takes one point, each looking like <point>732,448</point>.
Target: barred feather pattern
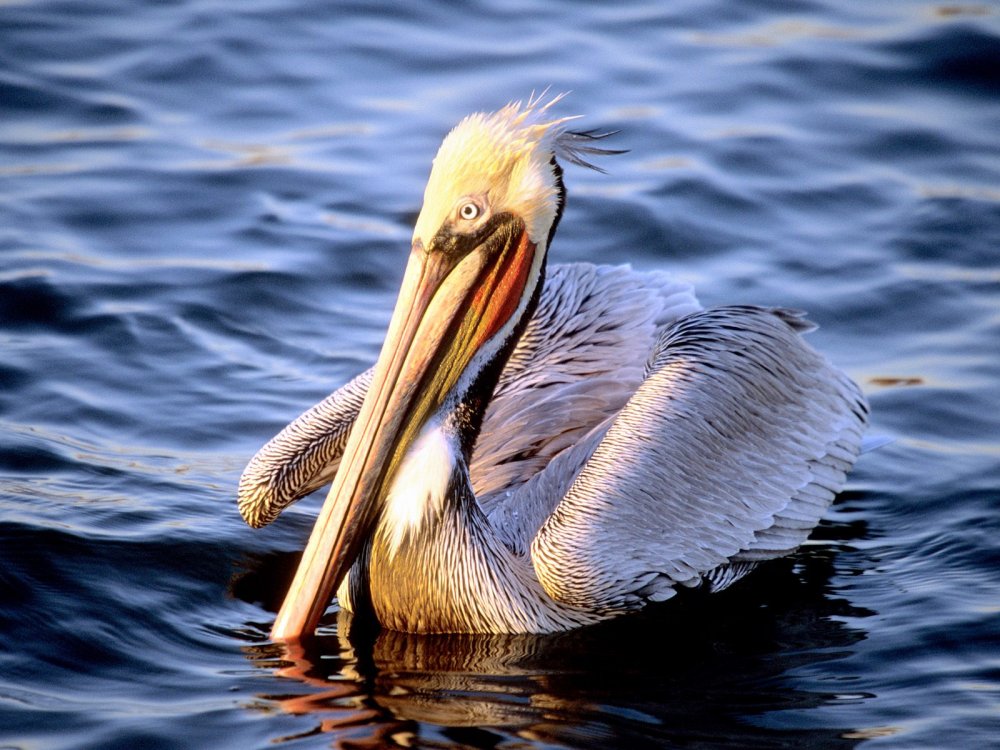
<point>458,577</point>
<point>727,454</point>
<point>303,457</point>
<point>577,363</point>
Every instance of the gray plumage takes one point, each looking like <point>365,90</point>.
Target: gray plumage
<point>303,457</point>
<point>578,362</point>
<point>634,443</point>
<point>728,453</point>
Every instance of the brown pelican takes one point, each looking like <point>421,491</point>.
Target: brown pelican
<point>535,451</point>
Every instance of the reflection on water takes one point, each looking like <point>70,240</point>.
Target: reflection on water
<point>693,670</point>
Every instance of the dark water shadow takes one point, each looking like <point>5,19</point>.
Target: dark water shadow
<point>697,672</point>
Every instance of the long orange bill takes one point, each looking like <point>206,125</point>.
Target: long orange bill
<point>448,307</point>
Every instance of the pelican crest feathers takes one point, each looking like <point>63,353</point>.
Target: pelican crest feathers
<point>507,158</point>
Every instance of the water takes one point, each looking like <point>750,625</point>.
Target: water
<point>204,214</point>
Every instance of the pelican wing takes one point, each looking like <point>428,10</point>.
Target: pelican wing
<point>303,457</point>
<point>729,452</point>
<point>577,363</point>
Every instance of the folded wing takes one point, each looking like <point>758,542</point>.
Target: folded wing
<point>728,453</point>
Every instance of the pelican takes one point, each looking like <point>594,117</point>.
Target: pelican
<point>538,449</point>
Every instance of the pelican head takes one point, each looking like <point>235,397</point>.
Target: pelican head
<point>476,267</point>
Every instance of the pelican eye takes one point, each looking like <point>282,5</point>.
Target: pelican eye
<point>470,211</point>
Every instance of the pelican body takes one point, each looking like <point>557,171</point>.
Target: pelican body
<point>540,449</point>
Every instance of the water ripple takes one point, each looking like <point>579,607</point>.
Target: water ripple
<point>205,214</point>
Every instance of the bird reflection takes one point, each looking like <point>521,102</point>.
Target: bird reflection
<point>697,670</point>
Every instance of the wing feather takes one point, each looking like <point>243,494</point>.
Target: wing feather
<point>303,457</point>
<point>728,453</point>
<point>578,362</point>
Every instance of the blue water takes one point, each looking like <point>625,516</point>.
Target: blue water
<point>205,209</point>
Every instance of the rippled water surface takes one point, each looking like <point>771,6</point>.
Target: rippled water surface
<point>205,209</point>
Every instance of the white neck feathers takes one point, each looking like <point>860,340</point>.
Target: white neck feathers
<point>420,487</point>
